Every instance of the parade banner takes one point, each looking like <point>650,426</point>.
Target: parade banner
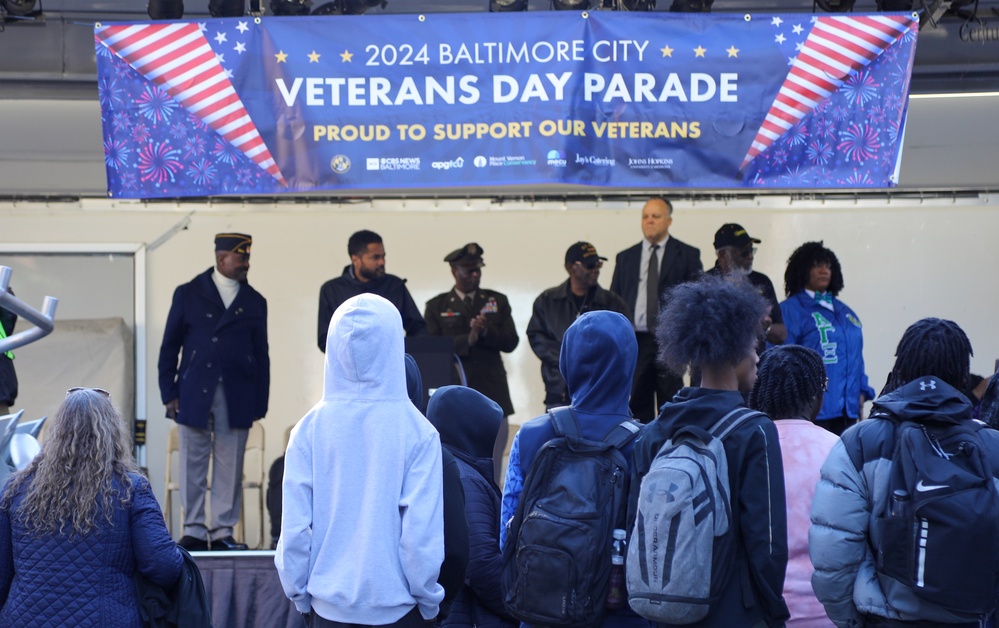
<point>613,99</point>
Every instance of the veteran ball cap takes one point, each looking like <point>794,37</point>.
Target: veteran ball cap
<point>583,252</point>
<point>233,243</point>
<point>468,255</point>
<point>732,234</point>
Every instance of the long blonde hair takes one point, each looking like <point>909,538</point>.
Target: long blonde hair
<point>70,482</point>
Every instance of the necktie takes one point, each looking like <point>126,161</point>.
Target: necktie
<point>468,302</point>
<point>652,291</point>
<point>823,297</point>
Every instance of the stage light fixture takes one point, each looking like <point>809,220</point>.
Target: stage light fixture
<point>163,9</point>
<point>502,6</point>
<point>348,7</point>
<point>291,7</point>
<point>835,6</point>
<point>691,6</point>
<point>636,5</point>
<point>570,5</point>
<point>18,8</point>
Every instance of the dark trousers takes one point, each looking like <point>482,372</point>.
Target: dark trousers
<point>412,619</point>
<point>838,425</point>
<point>654,385</point>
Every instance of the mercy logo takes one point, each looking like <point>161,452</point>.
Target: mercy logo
<point>479,161</point>
<point>556,158</point>
<point>447,165</point>
<point>340,164</point>
<point>928,385</point>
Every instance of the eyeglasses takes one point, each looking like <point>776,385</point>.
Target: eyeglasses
<point>99,391</point>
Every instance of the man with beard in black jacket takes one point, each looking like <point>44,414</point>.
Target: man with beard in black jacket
<point>366,273</point>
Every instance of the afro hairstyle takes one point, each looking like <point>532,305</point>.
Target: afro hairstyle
<point>801,262</point>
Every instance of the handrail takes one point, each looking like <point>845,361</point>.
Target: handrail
<point>43,321</point>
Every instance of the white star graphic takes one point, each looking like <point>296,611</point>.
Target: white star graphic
<point>242,27</point>
<point>220,58</point>
<point>228,73</point>
<point>780,39</point>
<point>240,47</point>
<point>799,45</point>
<point>202,26</point>
<point>219,37</point>
<point>790,61</point>
<point>797,29</point>
<point>815,18</point>
<point>776,21</point>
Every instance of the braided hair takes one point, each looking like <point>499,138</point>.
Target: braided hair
<point>788,379</point>
<point>713,320</point>
<point>932,346</point>
<point>801,262</point>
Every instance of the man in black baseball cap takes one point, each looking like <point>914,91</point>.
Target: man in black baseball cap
<point>480,322</point>
<point>557,308</point>
<point>735,249</point>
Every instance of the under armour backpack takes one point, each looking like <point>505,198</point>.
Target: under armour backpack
<point>681,551</point>
<point>557,558</point>
<point>939,530</point>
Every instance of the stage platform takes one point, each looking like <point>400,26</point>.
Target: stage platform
<point>244,590</point>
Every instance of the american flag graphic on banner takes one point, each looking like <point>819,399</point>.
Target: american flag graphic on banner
<point>835,48</point>
<point>178,58</point>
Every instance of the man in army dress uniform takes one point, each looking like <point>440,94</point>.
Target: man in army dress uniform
<point>480,323</point>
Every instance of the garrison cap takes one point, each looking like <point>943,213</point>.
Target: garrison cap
<point>233,243</point>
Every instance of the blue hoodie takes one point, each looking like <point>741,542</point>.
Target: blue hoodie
<point>597,361</point>
<point>468,423</point>
<point>362,531</point>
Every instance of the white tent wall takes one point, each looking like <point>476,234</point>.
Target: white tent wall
<point>902,259</point>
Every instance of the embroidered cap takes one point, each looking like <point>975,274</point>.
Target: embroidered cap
<point>233,243</point>
<point>583,252</point>
<point>732,234</point>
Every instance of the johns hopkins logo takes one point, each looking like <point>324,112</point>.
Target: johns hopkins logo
<point>340,164</point>
<point>556,158</point>
<point>479,161</point>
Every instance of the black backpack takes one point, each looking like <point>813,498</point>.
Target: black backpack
<point>939,530</point>
<point>557,558</point>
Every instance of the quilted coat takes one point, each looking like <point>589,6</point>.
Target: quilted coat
<point>85,581</point>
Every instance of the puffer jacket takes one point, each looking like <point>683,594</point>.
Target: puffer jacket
<point>853,490</point>
<point>85,582</point>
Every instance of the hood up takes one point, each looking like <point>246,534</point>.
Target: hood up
<point>414,382</point>
<point>598,357</point>
<point>364,351</point>
<point>466,419</point>
<point>925,399</point>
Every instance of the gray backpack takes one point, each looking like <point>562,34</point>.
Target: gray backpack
<point>680,553</point>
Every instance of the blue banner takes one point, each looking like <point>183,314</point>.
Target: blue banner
<point>615,99</point>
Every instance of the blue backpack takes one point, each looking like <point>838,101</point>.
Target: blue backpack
<point>557,558</point>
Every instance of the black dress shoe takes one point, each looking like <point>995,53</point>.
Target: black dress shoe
<point>228,544</point>
<point>193,544</point>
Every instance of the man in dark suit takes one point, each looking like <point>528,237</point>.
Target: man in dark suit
<point>668,262</point>
<point>218,324</point>
<point>481,325</point>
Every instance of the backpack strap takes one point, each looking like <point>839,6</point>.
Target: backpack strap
<point>566,425</point>
<point>732,420</point>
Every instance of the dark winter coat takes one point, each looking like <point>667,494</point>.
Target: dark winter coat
<point>217,342</point>
<point>335,291</point>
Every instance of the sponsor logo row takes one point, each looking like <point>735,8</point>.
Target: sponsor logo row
<point>340,164</point>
